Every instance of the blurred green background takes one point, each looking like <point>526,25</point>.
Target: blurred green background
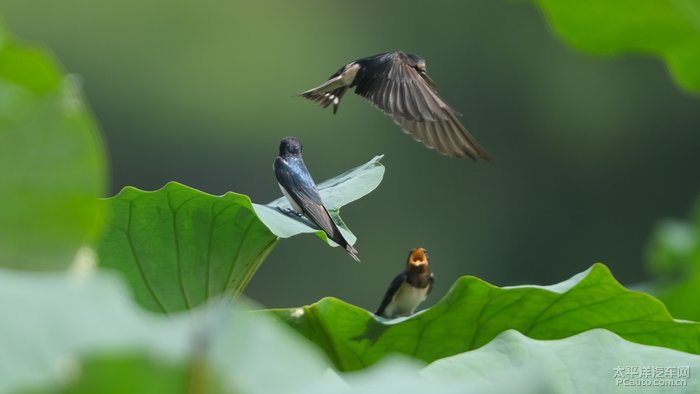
<point>589,151</point>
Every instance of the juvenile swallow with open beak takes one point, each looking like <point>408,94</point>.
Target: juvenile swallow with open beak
<point>301,191</point>
<point>409,288</point>
<point>397,83</point>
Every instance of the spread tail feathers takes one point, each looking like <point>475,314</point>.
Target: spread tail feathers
<point>326,98</point>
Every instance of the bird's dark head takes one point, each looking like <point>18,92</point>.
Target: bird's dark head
<point>290,146</point>
<point>418,257</point>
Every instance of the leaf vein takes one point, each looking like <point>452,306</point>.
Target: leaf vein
<point>139,265</point>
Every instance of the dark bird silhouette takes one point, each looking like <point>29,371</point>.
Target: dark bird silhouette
<point>409,288</point>
<point>397,83</point>
<point>301,191</point>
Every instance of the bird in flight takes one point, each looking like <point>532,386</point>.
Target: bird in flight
<point>397,83</point>
<point>301,191</point>
<point>409,288</point>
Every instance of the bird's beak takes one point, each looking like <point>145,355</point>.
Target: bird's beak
<point>418,257</point>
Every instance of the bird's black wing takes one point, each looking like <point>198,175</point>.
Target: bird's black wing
<point>302,188</point>
<point>409,97</point>
<point>393,288</point>
<point>297,180</point>
<point>431,281</point>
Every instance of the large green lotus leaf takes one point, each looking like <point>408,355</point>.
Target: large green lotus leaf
<point>590,362</point>
<point>595,361</point>
<point>178,246</point>
<point>84,334</point>
<point>74,332</point>
<point>51,320</point>
<point>665,28</point>
<point>474,312</point>
<point>116,373</point>
<point>52,163</point>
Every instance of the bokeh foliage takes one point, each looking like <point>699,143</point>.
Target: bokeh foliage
<point>665,28</point>
<point>85,335</point>
<point>52,162</point>
<point>673,259</point>
<point>201,94</point>
<point>80,330</point>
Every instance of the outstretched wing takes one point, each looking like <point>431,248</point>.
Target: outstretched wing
<point>389,296</point>
<point>409,97</point>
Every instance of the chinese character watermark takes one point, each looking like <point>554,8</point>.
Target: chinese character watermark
<point>638,375</point>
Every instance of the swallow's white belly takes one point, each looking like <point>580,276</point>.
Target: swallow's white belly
<point>405,301</point>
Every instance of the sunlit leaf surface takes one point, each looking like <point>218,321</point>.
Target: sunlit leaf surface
<point>474,312</point>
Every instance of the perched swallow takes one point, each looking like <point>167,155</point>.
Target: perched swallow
<point>409,288</point>
<point>397,83</point>
<point>301,191</point>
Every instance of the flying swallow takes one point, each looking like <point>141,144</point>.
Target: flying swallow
<point>397,83</point>
<point>301,191</point>
<point>409,288</point>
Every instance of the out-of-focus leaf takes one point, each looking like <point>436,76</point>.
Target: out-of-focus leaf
<point>673,257</point>
<point>179,247</point>
<point>595,361</point>
<point>669,29</point>
<point>52,163</point>
<point>119,374</point>
<point>674,248</point>
<point>51,320</point>
<point>66,333</point>
<point>85,335</point>
<point>474,312</point>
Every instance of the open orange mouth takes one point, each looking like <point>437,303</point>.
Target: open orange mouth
<point>418,257</point>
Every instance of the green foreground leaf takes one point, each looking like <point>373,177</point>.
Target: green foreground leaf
<point>474,312</point>
<point>83,334</point>
<point>52,163</point>
<point>595,361</point>
<point>669,29</point>
<point>179,247</point>
<point>119,374</point>
<point>69,329</point>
